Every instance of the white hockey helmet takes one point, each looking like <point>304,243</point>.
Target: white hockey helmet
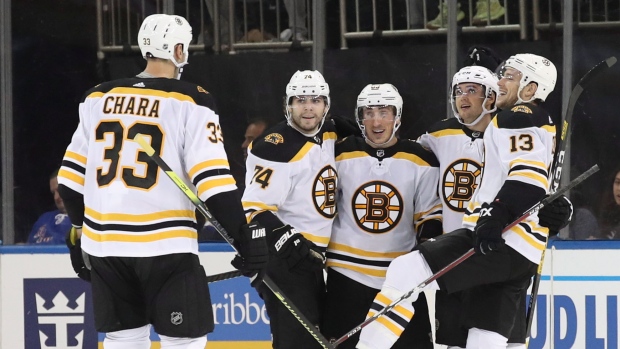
<point>379,95</point>
<point>307,83</point>
<point>481,76</point>
<point>537,69</point>
<point>160,33</point>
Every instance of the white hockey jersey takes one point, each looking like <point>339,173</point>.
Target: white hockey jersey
<point>131,208</point>
<point>460,152</point>
<point>519,145</point>
<point>294,177</point>
<point>384,195</point>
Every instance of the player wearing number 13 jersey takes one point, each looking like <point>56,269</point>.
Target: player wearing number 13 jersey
<point>138,229</point>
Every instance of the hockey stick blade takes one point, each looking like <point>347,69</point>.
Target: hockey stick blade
<point>468,254</point>
<point>202,208</point>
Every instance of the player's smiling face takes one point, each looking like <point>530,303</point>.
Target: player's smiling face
<point>379,124</point>
<point>307,112</point>
<point>508,88</point>
<point>469,97</point>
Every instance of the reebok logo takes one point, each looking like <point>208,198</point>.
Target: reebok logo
<point>284,238</point>
<point>140,84</point>
<point>258,233</point>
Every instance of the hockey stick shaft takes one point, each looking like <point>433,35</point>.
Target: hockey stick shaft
<point>202,208</point>
<point>224,276</point>
<point>468,254</point>
<point>559,163</point>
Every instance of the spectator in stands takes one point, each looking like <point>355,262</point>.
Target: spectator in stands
<point>52,226</point>
<point>255,128</point>
<point>609,219</point>
<point>486,11</point>
<point>297,14</point>
<point>583,225</point>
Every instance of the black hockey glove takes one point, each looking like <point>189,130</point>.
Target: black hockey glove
<point>482,56</point>
<point>488,231</point>
<point>429,230</point>
<point>345,126</point>
<point>556,215</point>
<point>253,253</point>
<point>299,253</point>
<point>75,252</point>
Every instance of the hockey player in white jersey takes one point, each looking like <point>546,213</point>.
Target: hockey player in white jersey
<point>291,190</point>
<point>135,225</point>
<point>457,143</point>
<point>518,145</point>
<point>387,201</point>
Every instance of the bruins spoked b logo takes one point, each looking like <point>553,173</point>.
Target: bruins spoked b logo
<point>324,192</point>
<point>460,180</point>
<point>377,207</point>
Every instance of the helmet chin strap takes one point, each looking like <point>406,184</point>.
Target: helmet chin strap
<point>179,66</point>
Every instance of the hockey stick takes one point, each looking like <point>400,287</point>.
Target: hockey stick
<point>468,254</point>
<point>224,276</point>
<point>202,208</point>
<point>557,169</point>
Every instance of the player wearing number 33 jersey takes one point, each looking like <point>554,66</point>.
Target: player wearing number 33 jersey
<point>124,179</point>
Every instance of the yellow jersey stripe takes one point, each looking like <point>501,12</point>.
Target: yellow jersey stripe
<point>538,164</point>
<point>413,158</point>
<point>426,213</point>
<point>329,135</point>
<point>95,94</point>
<point>250,204</point>
<point>302,152</point>
<point>449,132</point>
<point>532,175</point>
<point>206,164</point>
<point>397,330</point>
<point>214,183</point>
<point>358,251</point>
<point>549,128</point>
<point>120,237</point>
<point>71,176</point>
<point>372,272</point>
<point>138,218</point>
<point>519,230</point>
<point>351,155</point>
<point>323,240</point>
<point>77,157</point>
<point>148,92</point>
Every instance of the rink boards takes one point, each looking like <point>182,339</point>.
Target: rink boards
<point>43,305</point>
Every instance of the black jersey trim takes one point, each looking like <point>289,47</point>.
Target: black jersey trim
<point>141,227</point>
<point>72,165</point>
<point>337,256</point>
<point>210,173</point>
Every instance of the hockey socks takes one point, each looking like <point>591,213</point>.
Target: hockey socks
<point>384,332</point>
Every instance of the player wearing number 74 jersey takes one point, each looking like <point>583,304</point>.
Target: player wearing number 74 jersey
<point>138,230</point>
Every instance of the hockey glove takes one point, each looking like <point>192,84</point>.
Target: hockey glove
<point>488,231</point>
<point>299,253</point>
<point>253,253</point>
<point>345,126</point>
<point>556,215</point>
<point>75,253</point>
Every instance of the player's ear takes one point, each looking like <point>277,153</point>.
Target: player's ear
<point>529,90</point>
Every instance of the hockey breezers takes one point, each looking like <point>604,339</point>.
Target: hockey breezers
<point>202,208</point>
<point>557,168</point>
<point>468,254</point>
